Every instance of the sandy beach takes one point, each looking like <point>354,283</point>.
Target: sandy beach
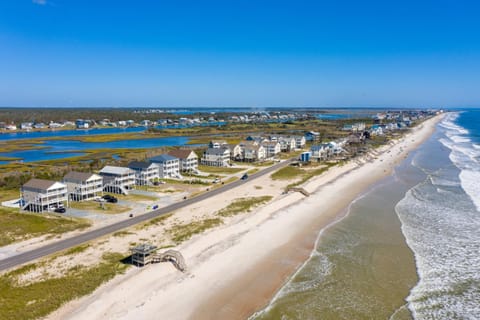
<point>236,268</point>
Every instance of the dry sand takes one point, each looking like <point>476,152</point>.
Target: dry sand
<point>236,268</point>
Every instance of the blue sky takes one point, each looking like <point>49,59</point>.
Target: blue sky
<point>238,53</point>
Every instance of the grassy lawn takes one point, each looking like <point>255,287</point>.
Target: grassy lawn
<point>289,155</point>
<point>263,164</point>
<point>38,299</point>
<point>109,208</point>
<point>243,205</point>
<point>183,232</point>
<point>135,197</point>
<point>187,181</point>
<point>225,170</point>
<point>15,226</point>
<point>9,194</point>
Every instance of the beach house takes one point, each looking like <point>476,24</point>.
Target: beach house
<point>286,143</point>
<point>272,148</point>
<point>312,136</point>
<point>83,185</point>
<point>300,142</point>
<point>39,195</point>
<point>253,152</point>
<point>117,179</point>
<point>216,157</point>
<point>188,159</point>
<point>235,152</point>
<point>169,166</point>
<point>217,144</point>
<point>145,172</point>
<point>321,152</point>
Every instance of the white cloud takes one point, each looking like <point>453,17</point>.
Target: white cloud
<point>40,2</point>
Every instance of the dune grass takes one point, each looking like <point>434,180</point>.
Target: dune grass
<point>183,232</point>
<point>243,205</point>
<point>287,173</point>
<point>38,299</point>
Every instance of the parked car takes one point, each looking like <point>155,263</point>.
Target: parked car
<point>245,176</point>
<point>110,198</point>
<point>60,210</point>
<point>216,180</point>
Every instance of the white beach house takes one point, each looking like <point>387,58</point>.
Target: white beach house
<point>117,179</point>
<point>41,195</point>
<point>272,148</point>
<point>83,185</point>
<point>169,166</point>
<point>216,157</point>
<point>145,172</point>
<point>188,159</point>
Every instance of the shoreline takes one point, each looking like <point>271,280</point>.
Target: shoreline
<point>236,269</point>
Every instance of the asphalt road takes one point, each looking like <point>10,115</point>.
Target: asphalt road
<point>97,233</point>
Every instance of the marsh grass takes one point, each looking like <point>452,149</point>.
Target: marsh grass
<point>38,299</point>
<point>243,205</point>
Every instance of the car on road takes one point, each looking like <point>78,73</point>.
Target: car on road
<point>110,198</point>
<point>245,176</point>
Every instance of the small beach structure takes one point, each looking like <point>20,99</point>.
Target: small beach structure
<point>41,195</point>
<point>146,253</point>
<point>143,254</point>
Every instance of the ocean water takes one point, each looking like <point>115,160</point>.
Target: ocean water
<point>409,248</point>
<point>441,222</point>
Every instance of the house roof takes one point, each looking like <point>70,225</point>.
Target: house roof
<point>78,176</point>
<point>40,184</point>
<point>115,170</point>
<point>140,165</point>
<point>163,158</point>
<point>270,143</point>
<point>216,151</point>
<point>181,153</point>
<point>218,141</point>
<point>253,147</point>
